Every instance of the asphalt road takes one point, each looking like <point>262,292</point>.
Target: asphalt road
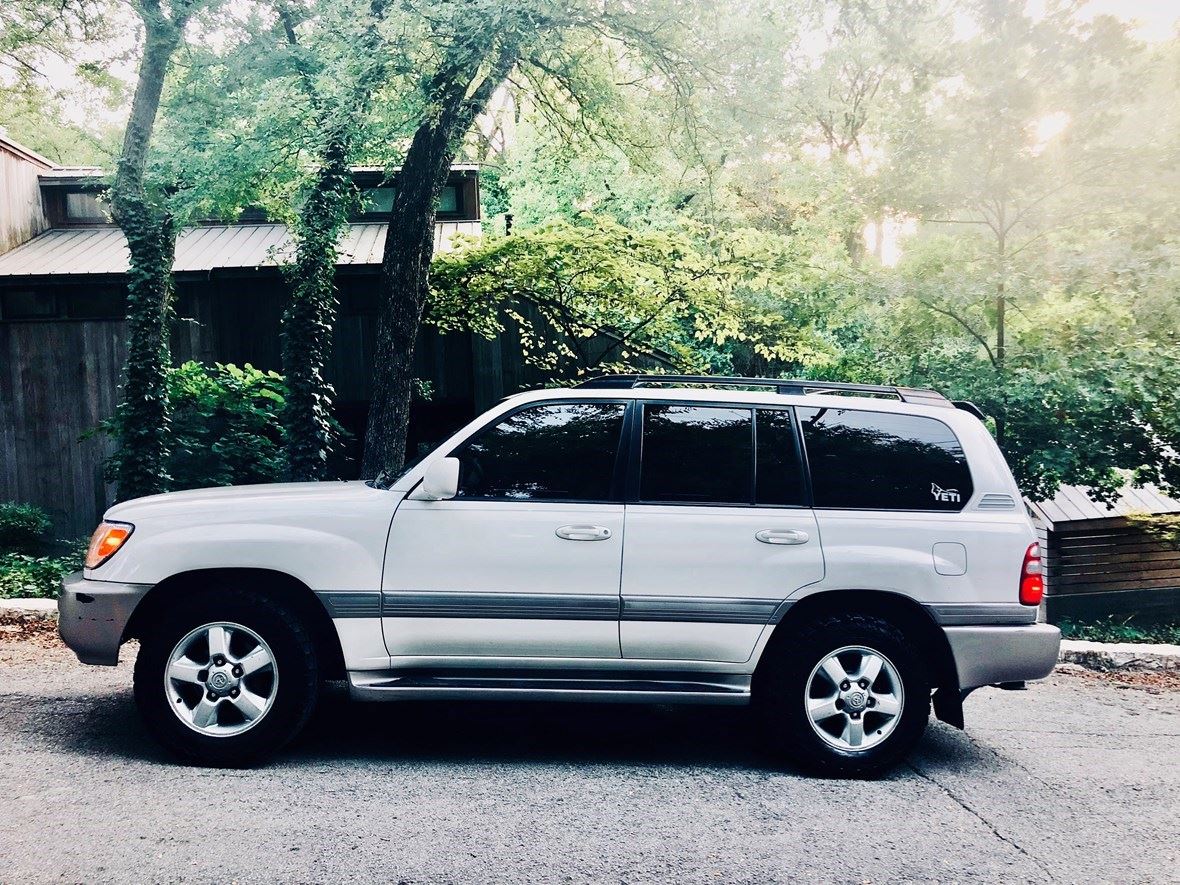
<point>1072,780</point>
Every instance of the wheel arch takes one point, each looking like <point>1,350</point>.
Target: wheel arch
<point>911,617</point>
<point>279,586</point>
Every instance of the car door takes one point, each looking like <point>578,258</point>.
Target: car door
<point>718,531</point>
<point>525,560</point>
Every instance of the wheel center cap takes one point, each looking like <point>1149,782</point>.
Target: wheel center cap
<point>220,681</point>
<point>855,700</point>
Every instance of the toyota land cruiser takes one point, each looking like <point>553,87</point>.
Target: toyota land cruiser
<point>840,556</point>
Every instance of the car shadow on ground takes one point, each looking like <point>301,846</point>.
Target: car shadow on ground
<point>342,730</point>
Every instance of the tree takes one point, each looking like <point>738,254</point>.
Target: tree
<point>1006,172</point>
<point>150,229</point>
<point>310,314</point>
<point>480,44</point>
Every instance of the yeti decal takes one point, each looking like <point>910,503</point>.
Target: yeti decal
<point>946,496</point>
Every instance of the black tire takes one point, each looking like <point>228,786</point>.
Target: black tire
<point>781,688</point>
<point>294,659</point>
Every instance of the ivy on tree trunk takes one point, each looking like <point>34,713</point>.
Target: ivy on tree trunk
<point>311,315</point>
<point>151,241</point>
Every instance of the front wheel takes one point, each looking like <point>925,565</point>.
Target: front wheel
<point>847,696</point>
<point>226,677</point>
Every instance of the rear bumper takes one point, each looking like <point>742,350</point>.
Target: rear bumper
<point>989,655</point>
<point>92,616</point>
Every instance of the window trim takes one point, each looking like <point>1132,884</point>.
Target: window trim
<point>966,463</point>
<point>635,466</point>
<point>617,472</point>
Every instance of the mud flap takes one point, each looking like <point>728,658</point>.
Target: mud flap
<point>948,706</point>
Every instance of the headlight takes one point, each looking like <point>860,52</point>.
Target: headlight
<point>106,541</point>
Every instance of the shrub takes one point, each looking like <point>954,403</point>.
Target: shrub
<point>225,429</point>
<point>23,576</point>
<point>23,527</point>
<point>1111,630</point>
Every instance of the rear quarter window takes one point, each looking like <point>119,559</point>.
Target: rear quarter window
<point>883,461</point>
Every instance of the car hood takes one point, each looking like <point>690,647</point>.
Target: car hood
<point>250,498</point>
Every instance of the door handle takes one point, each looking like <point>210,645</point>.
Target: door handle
<point>583,532</point>
<point>782,536</point>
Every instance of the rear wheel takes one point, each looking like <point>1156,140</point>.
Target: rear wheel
<point>226,677</point>
<point>846,695</point>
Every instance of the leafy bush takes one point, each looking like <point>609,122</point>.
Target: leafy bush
<point>226,427</point>
<point>23,527</point>
<point>1110,630</point>
<point>23,576</point>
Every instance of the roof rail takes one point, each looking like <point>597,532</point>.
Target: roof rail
<point>796,386</point>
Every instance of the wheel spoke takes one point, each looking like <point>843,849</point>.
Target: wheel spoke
<point>185,670</point>
<point>256,660</point>
<point>870,667</point>
<point>834,670</point>
<point>854,732</point>
<point>250,705</point>
<point>822,708</point>
<point>886,703</point>
<point>204,713</point>
<point>218,640</point>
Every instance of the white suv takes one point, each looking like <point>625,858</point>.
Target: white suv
<point>834,554</point>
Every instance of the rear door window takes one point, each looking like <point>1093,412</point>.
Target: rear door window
<point>884,461</point>
<point>719,455</point>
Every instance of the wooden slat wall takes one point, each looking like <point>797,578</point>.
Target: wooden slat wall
<point>1108,567</point>
<point>58,380</point>
<point>21,217</point>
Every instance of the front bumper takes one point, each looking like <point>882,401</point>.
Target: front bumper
<point>990,655</point>
<point>92,616</point>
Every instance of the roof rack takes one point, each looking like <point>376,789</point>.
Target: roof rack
<point>795,386</point>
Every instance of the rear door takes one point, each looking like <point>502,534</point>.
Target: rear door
<point>718,530</point>
<point>525,561</point>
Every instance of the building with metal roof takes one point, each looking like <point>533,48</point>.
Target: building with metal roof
<point>1101,560</point>
<point>63,266</point>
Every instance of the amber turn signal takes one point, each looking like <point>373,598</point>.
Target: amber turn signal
<point>106,541</point>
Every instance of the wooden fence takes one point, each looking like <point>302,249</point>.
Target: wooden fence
<point>1110,567</point>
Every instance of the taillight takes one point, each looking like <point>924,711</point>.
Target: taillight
<point>1032,582</point>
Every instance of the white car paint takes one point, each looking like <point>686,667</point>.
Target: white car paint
<point>350,537</point>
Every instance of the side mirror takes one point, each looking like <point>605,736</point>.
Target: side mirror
<point>440,482</point>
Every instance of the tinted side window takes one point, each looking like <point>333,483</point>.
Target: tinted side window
<point>779,476</point>
<point>697,454</point>
<point>882,461</point>
<point>560,452</point>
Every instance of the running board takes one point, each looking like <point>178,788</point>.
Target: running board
<point>640,688</point>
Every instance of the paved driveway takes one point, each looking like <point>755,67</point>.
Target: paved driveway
<point>1073,780</point>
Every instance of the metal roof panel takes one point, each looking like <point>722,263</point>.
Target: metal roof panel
<point>82,251</point>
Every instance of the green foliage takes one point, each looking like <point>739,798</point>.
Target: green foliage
<point>226,426</point>
<point>35,577</point>
<point>1112,630</point>
<point>1161,526</point>
<point>141,464</point>
<point>23,527</point>
<point>310,316</point>
<point>597,296</point>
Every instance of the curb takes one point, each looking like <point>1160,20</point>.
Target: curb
<point>23,611</point>
<point>1113,656</point>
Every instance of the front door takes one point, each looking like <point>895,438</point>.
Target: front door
<point>718,531</point>
<point>525,561</point>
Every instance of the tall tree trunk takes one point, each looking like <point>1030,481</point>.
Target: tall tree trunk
<point>310,315</point>
<point>458,95</point>
<point>151,242</point>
